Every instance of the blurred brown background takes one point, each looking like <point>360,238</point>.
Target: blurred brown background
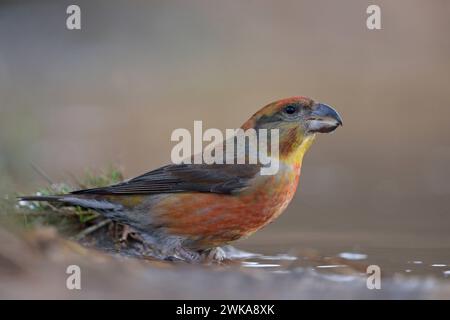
<point>114,91</point>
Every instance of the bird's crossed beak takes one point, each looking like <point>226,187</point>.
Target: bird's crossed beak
<point>323,118</point>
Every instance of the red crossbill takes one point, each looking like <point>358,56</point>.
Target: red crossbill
<point>186,210</point>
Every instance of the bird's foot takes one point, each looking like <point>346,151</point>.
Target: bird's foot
<point>216,254</point>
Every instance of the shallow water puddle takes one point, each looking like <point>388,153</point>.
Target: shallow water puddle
<point>346,264</point>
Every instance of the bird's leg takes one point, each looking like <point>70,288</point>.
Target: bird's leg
<point>128,231</point>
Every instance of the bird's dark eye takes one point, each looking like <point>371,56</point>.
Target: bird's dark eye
<point>290,109</point>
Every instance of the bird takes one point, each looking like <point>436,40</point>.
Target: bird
<point>187,211</point>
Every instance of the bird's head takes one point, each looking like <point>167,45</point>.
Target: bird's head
<point>298,119</point>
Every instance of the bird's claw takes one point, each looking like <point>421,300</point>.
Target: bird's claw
<point>216,254</point>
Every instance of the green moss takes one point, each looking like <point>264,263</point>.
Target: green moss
<point>67,220</point>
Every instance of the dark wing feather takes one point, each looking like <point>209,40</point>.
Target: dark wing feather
<point>215,178</point>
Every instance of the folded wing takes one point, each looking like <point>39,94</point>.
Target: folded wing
<point>215,178</point>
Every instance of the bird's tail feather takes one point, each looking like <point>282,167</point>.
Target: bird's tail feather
<point>41,198</point>
<point>75,200</point>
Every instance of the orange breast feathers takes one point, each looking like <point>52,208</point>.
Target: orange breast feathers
<point>214,219</point>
